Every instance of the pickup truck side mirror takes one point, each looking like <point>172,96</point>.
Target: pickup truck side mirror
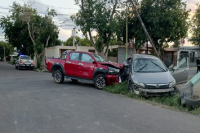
<point>94,62</point>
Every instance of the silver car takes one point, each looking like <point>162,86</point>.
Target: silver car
<point>150,77</point>
<point>24,61</point>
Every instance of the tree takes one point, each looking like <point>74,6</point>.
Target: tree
<point>166,21</point>
<point>8,49</point>
<point>79,41</point>
<point>25,28</point>
<point>195,39</point>
<point>99,16</point>
<point>176,44</point>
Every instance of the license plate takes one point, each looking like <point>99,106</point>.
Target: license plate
<point>28,65</point>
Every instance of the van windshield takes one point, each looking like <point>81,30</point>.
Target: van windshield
<point>148,65</point>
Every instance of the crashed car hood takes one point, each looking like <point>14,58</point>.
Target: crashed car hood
<point>118,65</point>
<point>154,78</point>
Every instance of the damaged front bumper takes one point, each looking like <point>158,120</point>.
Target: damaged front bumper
<point>112,79</point>
<point>156,92</point>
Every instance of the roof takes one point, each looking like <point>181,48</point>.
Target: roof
<point>171,49</point>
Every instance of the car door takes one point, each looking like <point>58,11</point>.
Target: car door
<point>180,72</point>
<point>86,66</point>
<point>72,67</point>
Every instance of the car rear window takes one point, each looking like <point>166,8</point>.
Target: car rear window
<point>25,57</point>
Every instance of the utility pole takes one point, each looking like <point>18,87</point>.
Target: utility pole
<point>126,31</point>
<point>144,28</point>
<point>4,54</point>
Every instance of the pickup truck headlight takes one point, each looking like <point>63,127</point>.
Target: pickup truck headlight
<point>172,84</point>
<point>113,70</point>
<point>139,84</point>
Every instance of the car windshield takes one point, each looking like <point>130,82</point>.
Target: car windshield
<point>148,65</point>
<point>99,58</point>
<point>24,57</point>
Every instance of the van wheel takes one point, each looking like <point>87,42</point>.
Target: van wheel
<point>58,76</point>
<point>100,81</point>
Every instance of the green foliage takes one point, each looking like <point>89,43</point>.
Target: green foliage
<point>81,42</point>
<point>8,49</point>
<point>196,27</point>
<point>165,21</point>
<point>176,44</point>
<point>17,24</point>
<point>114,53</point>
<point>96,16</point>
<point>173,101</point>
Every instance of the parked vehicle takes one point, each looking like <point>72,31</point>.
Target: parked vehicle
<point>24,61</point>
<point>84,66</point>
<point>150,77</point>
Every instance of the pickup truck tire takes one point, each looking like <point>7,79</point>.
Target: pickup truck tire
<point>74,80</point>
<point>58,76</point>
<point>100,81</point>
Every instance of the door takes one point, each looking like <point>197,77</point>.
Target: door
<point>72,64</point>
<point>180,72</point>
<point>86,66</point>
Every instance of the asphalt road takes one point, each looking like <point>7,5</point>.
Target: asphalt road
<point>30,102</point>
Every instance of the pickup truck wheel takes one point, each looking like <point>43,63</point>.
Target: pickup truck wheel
<point>58,76</point>
<point>100,81</point>
<point>74,80</point>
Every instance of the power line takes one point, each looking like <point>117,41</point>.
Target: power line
<point>50,5</point>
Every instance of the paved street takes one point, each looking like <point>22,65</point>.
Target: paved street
<point>30,102</point>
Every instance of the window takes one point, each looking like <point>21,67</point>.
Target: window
<point>74,56</point>
<point>183,63</point>
<point>148,65</point>
<point>99,58</point>
<point>63,56</point>
<point>86,58</point>
<point>25,57</point>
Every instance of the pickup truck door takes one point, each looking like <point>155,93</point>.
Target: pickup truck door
<point>72,64</point>
<point>86,66</point>
<point>180,72</point>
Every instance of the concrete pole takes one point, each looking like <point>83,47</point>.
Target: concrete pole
<point>126,31</point>
<point>4,54</point>
<point>144,28</point>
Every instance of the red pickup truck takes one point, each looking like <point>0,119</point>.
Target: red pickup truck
<point>84,66</point>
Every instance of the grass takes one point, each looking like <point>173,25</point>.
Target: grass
<point>173,102</point>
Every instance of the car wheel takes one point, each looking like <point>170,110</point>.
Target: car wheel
<point>19,68</point>
<point>15,66</point>
<point>58,76</point>
<point>100,81</point>
<point>74,80</point>
<point>132,88</point>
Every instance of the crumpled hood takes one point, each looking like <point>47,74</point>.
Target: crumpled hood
<point>153,78</point>
<point>118,65</point>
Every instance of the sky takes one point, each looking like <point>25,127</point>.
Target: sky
<point>65,8</point>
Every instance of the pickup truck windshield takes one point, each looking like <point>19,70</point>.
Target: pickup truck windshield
<point>99,58</point>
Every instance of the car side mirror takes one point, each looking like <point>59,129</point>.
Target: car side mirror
<point>94,62</point>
